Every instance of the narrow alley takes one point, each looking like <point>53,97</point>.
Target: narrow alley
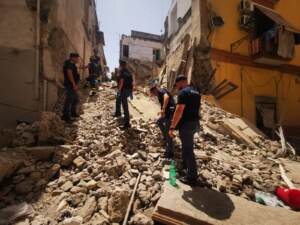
<point>187,116</point>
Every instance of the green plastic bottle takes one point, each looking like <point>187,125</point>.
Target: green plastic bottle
<point>172,173</point>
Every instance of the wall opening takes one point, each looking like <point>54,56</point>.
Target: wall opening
<point>266,114</point>
<point>126,51</point>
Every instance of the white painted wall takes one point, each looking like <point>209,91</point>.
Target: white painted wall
<point>141,49</point>
<point>182,8</point>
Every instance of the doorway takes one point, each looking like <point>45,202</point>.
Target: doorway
<point>266,114</point>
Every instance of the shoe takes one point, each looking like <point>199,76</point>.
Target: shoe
<point>67,119</point>
<point>75,115</point>
<point>126,126</point>
<point>117,115</point>
<point>168,155</point>
<point>191,182</point>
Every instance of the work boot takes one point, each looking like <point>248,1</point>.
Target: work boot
<point>126,126</point>
<point>188,181</point>
<point>67,119</point>
<point>116,115</point>
<point>168,155</point>
<point>75,115</point>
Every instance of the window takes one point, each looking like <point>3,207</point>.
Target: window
<point>126,51</point>
<point>156,54</point>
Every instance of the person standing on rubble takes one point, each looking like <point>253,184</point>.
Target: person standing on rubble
<point>125,88</point>
<point>118,96</point>
<point>71,81</point>
<point>167,104</point>
<point>186,120</point>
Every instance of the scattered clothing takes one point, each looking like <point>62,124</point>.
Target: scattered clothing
<point>286,44</point>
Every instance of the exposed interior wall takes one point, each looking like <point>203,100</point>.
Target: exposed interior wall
<point>142,49</point>
<point>17,63</point>
<point>177,10</point>
<point>66,26</point>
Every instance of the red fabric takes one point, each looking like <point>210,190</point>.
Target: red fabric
<point>291,197</point>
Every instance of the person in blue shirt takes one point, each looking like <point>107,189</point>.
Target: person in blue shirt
<point>186,120</point>
<point>167,104</point>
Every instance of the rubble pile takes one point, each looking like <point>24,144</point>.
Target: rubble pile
<point>49,130</point>
<point>91,181</point>
<point>230,165</point>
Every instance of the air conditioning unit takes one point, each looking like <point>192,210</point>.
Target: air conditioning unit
<point>246,22</point>
<point>246,6</point>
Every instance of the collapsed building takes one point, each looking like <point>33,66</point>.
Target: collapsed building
<point>35,39</point>
<point>243,53</point>
<point>144,54</point>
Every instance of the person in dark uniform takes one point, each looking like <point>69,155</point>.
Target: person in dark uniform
<point>125,87</point>
<point>167,104</point>
<point>186,120</point>
<point>71,81</point>
<point>118,96</point>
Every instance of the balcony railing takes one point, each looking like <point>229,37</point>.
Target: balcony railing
<point>264,49</point>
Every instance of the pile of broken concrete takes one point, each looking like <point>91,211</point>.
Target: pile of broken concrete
<point>91,181</point>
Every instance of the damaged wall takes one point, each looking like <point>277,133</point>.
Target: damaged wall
<point>65,26</point>
<point>17,63</point>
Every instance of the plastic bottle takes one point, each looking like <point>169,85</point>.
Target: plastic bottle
<point>172,174</point>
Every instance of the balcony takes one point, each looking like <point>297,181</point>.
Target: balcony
<point>265,50</point>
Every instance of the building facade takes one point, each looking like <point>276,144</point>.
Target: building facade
<point>253,47</point>
<point>142,46</point>
<point>144,54</point>
<point>36,36</point>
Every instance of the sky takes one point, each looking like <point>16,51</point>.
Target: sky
<point>117,17</point>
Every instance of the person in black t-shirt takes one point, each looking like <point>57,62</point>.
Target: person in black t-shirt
<point>167,104</point>
<point>186,120</point>
<point>125,86</point>
<point>71,80</point>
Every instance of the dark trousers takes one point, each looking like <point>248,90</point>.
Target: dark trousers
<point>187,131</point>
<point>125,94</point>
<point>164,124</point>
<point>71,102</point>
<point>118,104</point>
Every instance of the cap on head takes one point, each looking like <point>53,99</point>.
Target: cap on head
<point>122,62</point>
<point>74,55</point>
<point>180,78</point>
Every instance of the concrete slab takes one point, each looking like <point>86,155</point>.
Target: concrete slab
<point>145,106</point>
<point>197,206</point>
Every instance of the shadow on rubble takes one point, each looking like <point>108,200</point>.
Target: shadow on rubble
<point>213,203</point>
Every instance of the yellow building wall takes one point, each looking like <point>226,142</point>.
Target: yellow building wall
<point>231,31</point>
<point>252,81</point>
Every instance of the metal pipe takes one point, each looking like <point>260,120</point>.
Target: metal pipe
<point>37,56</point>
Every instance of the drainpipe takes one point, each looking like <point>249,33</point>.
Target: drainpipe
<point>45,93</point>
<point>37,55</point>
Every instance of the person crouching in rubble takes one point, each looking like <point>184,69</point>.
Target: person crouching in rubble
<point>71,81</point>
<point>167,104</point>
<point>186,120</point>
